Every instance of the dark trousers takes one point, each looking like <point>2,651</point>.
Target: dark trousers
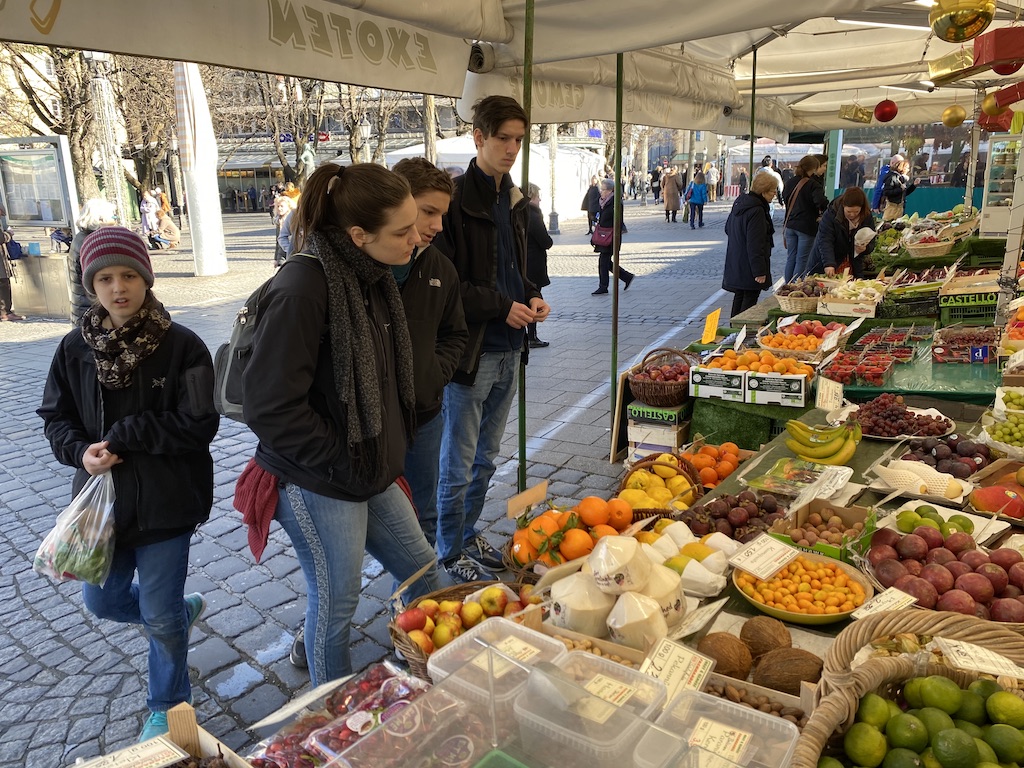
<point>5,295</point>
<point>743,300</point>
<point>604,268</point>
<point>696,214</point>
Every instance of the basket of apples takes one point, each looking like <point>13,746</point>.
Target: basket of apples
<point>662,378</point>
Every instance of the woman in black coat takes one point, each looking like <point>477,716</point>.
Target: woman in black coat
<point>749,250</point>
<point>604,261</point>
<point>834,245</point>
<point>537,243</point>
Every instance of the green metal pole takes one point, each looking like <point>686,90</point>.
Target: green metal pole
<point>616,240</point>
<point>528,107</point>
<point>753,100</point>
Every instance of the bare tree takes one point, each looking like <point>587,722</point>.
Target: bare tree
<point>377,107</point>
<point>54,84</point>
<point>144,91</point>
<point>293,106</point>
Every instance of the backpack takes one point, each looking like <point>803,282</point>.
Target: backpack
<point>876,197</point>
<point>233,357</point>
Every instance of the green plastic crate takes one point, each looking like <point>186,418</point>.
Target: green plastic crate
<point>967,315</point>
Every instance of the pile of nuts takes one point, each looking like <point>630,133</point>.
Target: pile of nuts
<point>795,715</point>
<point>589,647</point>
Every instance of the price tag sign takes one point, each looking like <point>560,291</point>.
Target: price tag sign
<point>786,321</point>
<point>855,325</point>
<point>891,599</point>
<point>778,284</point>
<point>763,557</point>
<point>829,396</point>
<point>694,621</point>
<point>711,327</point>
<point>830,342</point>
<point>739,338</point>
<point>721,739</point>
<point>155,753</point>
<point>528,498</point>
<point>679,668</point>
<point>970,656</point>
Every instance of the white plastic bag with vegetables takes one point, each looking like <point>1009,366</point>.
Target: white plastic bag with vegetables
<point>81,545</point>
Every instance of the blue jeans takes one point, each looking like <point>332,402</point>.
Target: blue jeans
<point>156,602</point>
<point>474,421</point>
<point>330,537</point>
<point>422,468</point>
<point>798,253</point>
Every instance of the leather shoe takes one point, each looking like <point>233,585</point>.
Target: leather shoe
<point>537,343</point>
<point>627,282</point>
<point>599,292</point>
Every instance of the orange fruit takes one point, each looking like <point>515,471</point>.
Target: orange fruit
<point>708,475</point>
<point>702,461</point>
<point>709,450</point>
<point>521,534</point>
<point>593,510</point>
<point>550,559</point>
<point>565,518</point>
<point>723,469</point>
<point>575,543</point>
<point>540,528</point>
<point>600,531</point>
<point>688,456</point>
<point>620,514</point>
<point>554,514</point>
<point>729,448</point>
<point>523,552</point>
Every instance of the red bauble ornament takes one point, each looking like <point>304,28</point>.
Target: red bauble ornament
<point>885,110</point>
<point>1007,69</point>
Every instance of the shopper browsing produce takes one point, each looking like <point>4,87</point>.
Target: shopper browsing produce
<point>836,246</point>
<point>131,393</point>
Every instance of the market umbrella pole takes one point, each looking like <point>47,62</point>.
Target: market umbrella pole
<point>753,111</point>
<point>975,141</point>
<point>527,105</point>
<point>617,238</point>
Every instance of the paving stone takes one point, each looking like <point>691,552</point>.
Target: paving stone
<point>266,643</point>
<point>261,702</point>
<point>234,682</point>
<point>269,595</point>
<point>211,655</point>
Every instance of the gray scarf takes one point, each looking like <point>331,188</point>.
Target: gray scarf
<point>350,273</point>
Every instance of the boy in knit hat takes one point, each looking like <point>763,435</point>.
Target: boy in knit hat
<point>131,393</point>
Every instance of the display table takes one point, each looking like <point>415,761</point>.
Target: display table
<point>749,426</point>
<point>959,382</point>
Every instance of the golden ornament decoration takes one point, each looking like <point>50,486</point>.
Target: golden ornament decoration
<point>957,21</point>
<point>953,115</point>
<point>990,107</point>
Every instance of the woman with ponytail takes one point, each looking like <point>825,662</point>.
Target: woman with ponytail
<point>329,393</point>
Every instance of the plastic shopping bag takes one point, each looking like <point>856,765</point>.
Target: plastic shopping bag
<point>81,544</point>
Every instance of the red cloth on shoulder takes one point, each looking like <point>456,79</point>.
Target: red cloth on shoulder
<point>256,499</point>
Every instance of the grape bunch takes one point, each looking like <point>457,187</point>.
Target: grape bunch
<point>887,416</point>
<point>1010,431</point>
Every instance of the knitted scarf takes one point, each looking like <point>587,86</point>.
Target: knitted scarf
<point>118,352</point>
<point>350,272</point>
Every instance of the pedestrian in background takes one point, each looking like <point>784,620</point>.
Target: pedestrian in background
<point>131,393</point>
<point>592,204</point>
<point>805,201</point>
<point>148,209</point>
<point>671,190</point>
<point>280,213</point>
<point>697,194</point>
<point>712,177</point>
<point>748,251</point>
<point>6,273</point>
<point>537,243</point>
<point>656,184</point>
<point>96,213</point>
<point>605,252</point>
<point>898,186</point>
<point>743,181</point>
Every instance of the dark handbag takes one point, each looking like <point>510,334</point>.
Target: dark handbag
<point>602,236</point>
<point>689,192</point>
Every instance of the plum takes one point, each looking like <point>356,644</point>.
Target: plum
<point>981,611</point>
<point>913,566</point>
<point>960,541</point>
<point>912,546</point>
<point>1007,609</point>
<point>976,585</point>
<point>957,568</point>
<point>973,558</point>
<point>995,574</point>
<point>1016,574</point>
<point>881,552</point>
<point>941,452</point>
<point>957,601</point>
<point>902,581</point>
<point>961,471</point>
<point>888,571</point>
<point>886,536</point>
<point>939,576</point>
<point>932,536</point>
<point>923,590</point>
<point>939,555</point>
<point>1005,557</point>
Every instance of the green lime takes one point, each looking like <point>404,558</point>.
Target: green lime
<point>954,749</point>
<point>972,709</point>
<point>985,753</point>
<point>942,693</point>
<point>894,708</point>
<point>829,762</point>
<point>927,522</point>
<point>948,529</point>
<point>926,509</point>
<point>984,687</point>
<point>963,522</point>
<point>907,520</point>
<point>1004,707</point>
<point>935,720</point>
<point>865,745</point>
<point>902,758</point>
<point>873,710</point>
<point>907,731</point>
<point>971,728</point>
<point>1006,741</point>
<point>988,764</point>
<point>912,692</point>
<point>928,759</point>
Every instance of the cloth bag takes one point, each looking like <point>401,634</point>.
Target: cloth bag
<point>81,545</point>
<point>602,236</point>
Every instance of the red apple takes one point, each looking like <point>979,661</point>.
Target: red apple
<point>513,607</point>
<point>411,619</point>
<point>429,607</point>
<point>494,599</point>
<point>526,596</point>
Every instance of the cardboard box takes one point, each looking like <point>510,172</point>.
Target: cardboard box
<point>798,519</point>
<point>716,383</point>
<point>828,305</point>
<point>649,414</point>
<point>777,389</point>
<point>671,436</point>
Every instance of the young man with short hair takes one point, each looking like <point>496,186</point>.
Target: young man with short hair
<point>485,237</point>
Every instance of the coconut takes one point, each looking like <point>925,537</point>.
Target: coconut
<point>699,581</point>
<point>666,586</point>
<point>636,621</point>
<point>679,532</point>
<point>619,565</point>
<point>578,604</point>
<point>785,668</point>
<point>763,634</point>
<point>732,657</point>
<point>652,554</point>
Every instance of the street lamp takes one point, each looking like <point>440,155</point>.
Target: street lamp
<point>364,138</point>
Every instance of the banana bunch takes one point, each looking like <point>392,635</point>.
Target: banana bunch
<point>834,446</point>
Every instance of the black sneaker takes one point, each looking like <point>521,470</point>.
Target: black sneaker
<point>599,292</point>
<point>628,282</point>
<point>298,654</point>
<point>480,550</point>
<point>465,570</point>
<point>538,344</point>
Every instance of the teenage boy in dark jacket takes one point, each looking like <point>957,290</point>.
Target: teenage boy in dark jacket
<point>485,237</point>
<point>437,327</point>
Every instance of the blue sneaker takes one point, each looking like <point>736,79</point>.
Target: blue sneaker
<point>155,725</point>
<point>480,550</point>
<point>196,604</point>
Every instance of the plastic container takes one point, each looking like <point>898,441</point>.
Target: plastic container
<point>590,731</point>
<point>467,652</point>
<point>743,736</point>
<point>658,749</point>
<point>498,759</point>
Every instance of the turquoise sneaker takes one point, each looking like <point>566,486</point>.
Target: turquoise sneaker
<point>196,604</point>
<point>155,725</point>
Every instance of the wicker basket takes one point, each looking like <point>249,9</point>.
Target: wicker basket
<point>836,712</point>
<point>960,231</point>
<point>685,467</point>
<point>798,304</point>
<point>524,574</point>
<point>412,653</point>
<point>837,673</point>
<point>662,394</point>
<point>931,250</point>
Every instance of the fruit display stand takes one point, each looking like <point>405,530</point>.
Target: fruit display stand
<point>749,426</point>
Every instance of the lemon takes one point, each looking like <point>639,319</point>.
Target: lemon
<point>907,731</point>
<point>665,468</point>
<point>829,762</point>
<point>633,496</point>
<point>942,693</point>
<point>969,728</point>
<point>928,759</point>
<point>678,484</point>
<point>865,745</point>
<point>873,710</point>
<point>954,749</point>
<point>985,753</point>
<point>1006,741</point>
<point>661,525</point>
<point>654,481</point>
<point>638,480</point>
<point>660,495</point>
<point>972,708</point>
<point>1004,707</point>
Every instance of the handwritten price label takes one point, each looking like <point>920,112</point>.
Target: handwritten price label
<point>970,656</point>
<point>764,557</point>
<point>695,620</point>
<point>829,396</point>
<point>711,327</point>
<point>679,668</point>
<point>156,753</point>
<point>891,599</point>
<point>785,322</point>
<point>739,338</point>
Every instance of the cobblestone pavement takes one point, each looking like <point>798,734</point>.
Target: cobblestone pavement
<point>73,686</point>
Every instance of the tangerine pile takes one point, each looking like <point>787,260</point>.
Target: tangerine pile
<point>556,535</point>
<point>805,586</point>
<point>714,463</point>
<point>799,341</point>
<point>763,362</point>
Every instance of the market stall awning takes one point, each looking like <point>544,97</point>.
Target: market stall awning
<point>248,160</point>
